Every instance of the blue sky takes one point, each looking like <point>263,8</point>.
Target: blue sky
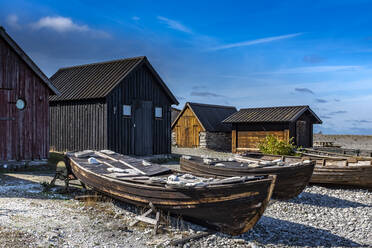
<point>245,54</point>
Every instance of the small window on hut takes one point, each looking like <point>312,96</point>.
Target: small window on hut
<point>158,112</point>
<point>127,110</point>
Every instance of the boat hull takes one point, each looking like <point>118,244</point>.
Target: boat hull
<point>290,182</point>
<point>336,170</point>
<point>232,208</point>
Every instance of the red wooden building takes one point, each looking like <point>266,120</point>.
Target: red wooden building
<point>24,106</point>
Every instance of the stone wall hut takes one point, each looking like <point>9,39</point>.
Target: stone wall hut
<point>121,105</point>
<point>24,92</point>
<point>252,125</point>
<point>200,125</point>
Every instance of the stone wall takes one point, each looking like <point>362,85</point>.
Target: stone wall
<point>174,139</point>
<point>215,140</point>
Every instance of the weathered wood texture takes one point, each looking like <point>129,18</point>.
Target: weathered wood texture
<point>250,134</point>
<point>23,133</point>
<point>187,129</point>
<point>251,139</point>
<point>290,182</point>
<point>352,171</point>
<point>78,125</point>
<point>244,201</point>
<point>100,123</point>
<point>139,86</point>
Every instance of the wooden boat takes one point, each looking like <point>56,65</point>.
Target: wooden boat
<point>231,205</point>
<point>291,179</point>
<point>321,152</point>
<point>337,170</point>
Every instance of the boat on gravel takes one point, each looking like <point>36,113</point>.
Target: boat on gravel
<point>230,205</point>
<point>292,178</point>
<point>335,170</point>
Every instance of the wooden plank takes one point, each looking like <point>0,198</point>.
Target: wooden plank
<point>191,237</point>
<point>233,141</point>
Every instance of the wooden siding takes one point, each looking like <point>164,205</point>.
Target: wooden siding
<point>248,135</point>
<point>78,125</point>
<point>187,129</point>
<point>140,85</point>
<point>251,139</point>
<point>23,133</point>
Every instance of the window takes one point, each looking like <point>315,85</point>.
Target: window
<point>127,110</point>
<point>158,112</point>
<point>20,104</point>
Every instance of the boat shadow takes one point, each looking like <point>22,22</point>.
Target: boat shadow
<point>29,186</point>
<point>321,200</point>
<point>272,231</point>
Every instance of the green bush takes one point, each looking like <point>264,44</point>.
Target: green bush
<point>272,145</point>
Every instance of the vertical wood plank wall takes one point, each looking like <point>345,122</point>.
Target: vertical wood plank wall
<point>187,129</point>
<point>23,133</point>
<point>78,125</point>
<point>251,139</point>
<point>233,141</point>
<point>140,85</point>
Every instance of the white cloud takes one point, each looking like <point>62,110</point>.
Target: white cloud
<point>65,24</point>
<point>12,21</point>
<point>317,69</point>
<point>175,25</point>
<point>60,24</point>
<point>255,42</point>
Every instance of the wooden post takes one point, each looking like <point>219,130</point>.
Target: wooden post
<point>233,141</point>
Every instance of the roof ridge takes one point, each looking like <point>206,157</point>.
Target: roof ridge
<point>103,62</point>
<point>26,59</point>
<point>293,106</point>
<point>210,105</point>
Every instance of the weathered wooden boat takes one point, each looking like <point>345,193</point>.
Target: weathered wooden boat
<point>351,171</point>
<point>291,178</point>
<point>340,151</point>
<point>331,153</point>
<point>230,205</point>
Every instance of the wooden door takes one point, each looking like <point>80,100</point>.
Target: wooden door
<point>302,137</point>
<point>7,139</point>
<point>143,130</point>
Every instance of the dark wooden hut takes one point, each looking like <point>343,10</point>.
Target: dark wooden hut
<point>252,125</point>
<point>200,125</point>
<point>24,92</point>
<point>121,105</point>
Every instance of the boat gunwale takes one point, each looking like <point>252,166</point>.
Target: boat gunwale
<point>141,185</point>
<point>261,170</point>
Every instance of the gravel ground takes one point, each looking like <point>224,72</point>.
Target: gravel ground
<point>29,217</point>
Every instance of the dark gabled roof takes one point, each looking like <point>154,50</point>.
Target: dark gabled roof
<point>97,80</point>
<point>210,116</point>
<point>270,114</point>
<point>175,112</point>
<point>17,49</point>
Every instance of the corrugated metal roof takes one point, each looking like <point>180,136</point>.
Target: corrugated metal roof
<point>96,80</point>
<point>210,116</point>
<point>270,114</point>
<point>27,60</point>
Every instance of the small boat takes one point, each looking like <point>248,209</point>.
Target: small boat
<point>336,170</point>
<point>229,205</point>
<point>344,153</point>
<point>292,178</point>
